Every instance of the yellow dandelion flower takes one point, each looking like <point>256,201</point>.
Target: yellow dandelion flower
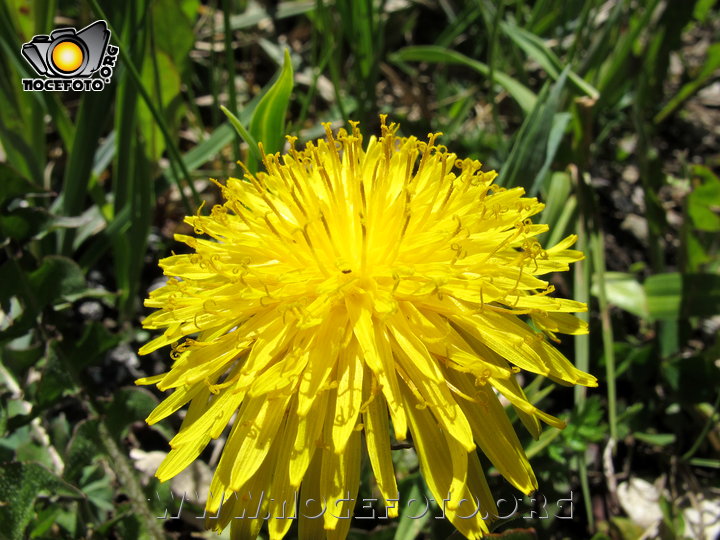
<point>348,289</point>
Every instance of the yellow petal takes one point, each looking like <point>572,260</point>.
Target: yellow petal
<point>375,347</point>
<point>349,395</point>
<point>376,424</point>
<point>339,476</point>
<point>324,349</point>
<point>258,426</point>
<point>494,433</point>
<point>312,505</point>
<point>309,431</point>
<point>443,461</point>
<point>437,397</point>
<point>282,506</point>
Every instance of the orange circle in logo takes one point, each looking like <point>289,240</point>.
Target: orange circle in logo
<point>67,56</point>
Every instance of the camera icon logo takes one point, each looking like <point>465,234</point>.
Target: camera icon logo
<point>67,52</point>
<point>67,56</point>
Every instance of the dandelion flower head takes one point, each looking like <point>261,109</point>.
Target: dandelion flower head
<point>351,294</point>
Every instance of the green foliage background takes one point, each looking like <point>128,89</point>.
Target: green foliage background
<point>590,105</point>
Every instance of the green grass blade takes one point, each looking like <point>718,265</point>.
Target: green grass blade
<point>708,70</point>
<point>254,150</point>
<point>78,171</point>
<point>529,153</point>
<point>173,152</point>
<point>555,135</point>
<point>441,55</point>
<point>257,13</point>
<point>536,49</point>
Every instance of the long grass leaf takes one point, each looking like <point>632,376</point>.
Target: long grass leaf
<point>531,147</point>
<point>708,70</point>
<point>169,141</point>
<point>536,49</point>
<point>441,55</point>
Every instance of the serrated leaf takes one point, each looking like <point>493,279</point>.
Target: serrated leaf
<point>57,276</point>
<point>20,485</point>
<point>128,405</point>
<point>95,341</point>
<point>84,445</point>
<point>55,382</point>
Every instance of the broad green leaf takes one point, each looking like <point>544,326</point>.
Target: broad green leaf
<point>441,55</point>
<point>172,39</point>
<point>18,359</point>
<point>45,520</point>
<point>625,529</point>
<point>23,16</point>
<point>267,125</point>
<point>12,184</point>
<point>703,8</point>
<point>674,296</point>
<point>167,101</point>
<point>172,27</point>
<point>95,341</point>
<point>696,254</point>
<point>624,291</point>
<point>664,296</point>
<point>703,203</point>
<point>23,223</point>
